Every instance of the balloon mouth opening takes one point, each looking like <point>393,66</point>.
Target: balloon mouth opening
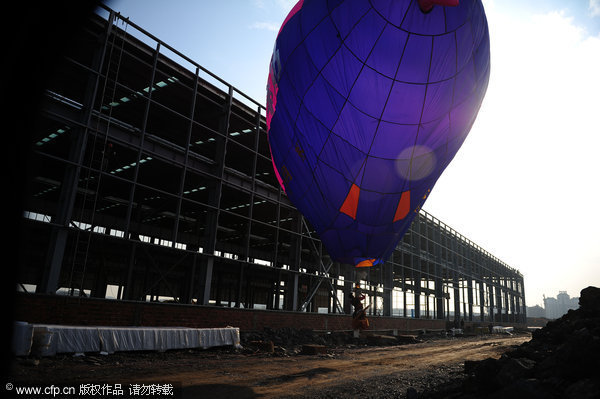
<point>362,262</point>
<point>365,263</point>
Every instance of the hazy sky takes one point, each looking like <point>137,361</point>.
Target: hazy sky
<point>526,183</point>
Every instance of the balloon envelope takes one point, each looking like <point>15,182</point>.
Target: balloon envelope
<point>367,103</point>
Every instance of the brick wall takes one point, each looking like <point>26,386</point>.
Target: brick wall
<point>65,310</point>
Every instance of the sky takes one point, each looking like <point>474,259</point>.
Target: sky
<point>525,185</point>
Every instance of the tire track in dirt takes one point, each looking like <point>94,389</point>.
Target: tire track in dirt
<point>272,377</point>
<point>390,360</point>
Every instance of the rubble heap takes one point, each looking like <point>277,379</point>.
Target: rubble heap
<point>562,360</point>
<point>284,337</point>
<point>292,341</point>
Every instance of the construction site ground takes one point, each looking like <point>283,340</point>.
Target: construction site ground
<point>260,370</point>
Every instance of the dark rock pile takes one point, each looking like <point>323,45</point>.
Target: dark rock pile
<point>562,360</point>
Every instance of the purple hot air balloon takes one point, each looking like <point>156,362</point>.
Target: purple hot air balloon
<point>368,101</point>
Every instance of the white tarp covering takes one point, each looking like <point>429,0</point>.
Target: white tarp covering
<point>502,330</point>
<point>49,340</point>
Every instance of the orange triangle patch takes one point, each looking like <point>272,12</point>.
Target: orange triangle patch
<point>350,204</point>
<point>403,206</point>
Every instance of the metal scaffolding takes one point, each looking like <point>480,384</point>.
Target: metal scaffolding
<point>153,181</point>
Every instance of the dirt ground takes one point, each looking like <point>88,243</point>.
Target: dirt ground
<point>357,371</point>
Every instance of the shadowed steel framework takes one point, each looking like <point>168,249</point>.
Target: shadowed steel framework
<point>152,181</point>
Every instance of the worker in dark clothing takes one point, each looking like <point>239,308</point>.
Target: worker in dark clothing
<point>359,318</point>
<point>356,303</point>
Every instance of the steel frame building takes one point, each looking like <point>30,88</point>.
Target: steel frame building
<point>152,181</point>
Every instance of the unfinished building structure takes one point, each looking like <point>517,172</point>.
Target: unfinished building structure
<point>152,181</point>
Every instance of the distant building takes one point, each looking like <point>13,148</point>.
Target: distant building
<point>556,307</point>
<point>536,311</point>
